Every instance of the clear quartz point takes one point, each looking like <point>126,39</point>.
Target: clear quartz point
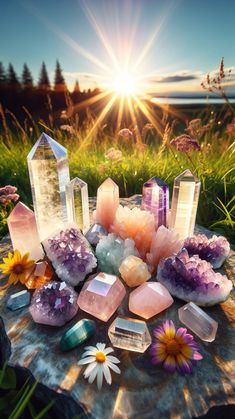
<point>78,204</point>
<point>198,321</point>
<point>130,334</point>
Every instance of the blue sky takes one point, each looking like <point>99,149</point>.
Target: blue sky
<point>191,36</point>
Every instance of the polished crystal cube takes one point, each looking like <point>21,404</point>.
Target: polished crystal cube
<point>18,300</point>
<point>198,321</point>
<point>101,295</point>
<point>130,334</point>
<point>77,203</point>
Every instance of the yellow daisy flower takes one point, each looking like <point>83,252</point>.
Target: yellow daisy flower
<point>16,266</point>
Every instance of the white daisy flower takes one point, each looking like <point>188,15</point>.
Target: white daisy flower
<point>100,364</point>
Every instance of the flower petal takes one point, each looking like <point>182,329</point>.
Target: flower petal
<point>93,374</point>
<point>113,359</point>
<point>186,351</point>
<point>169,329</point>
<point>113,367</point>
<point>87,360</point>
<point>100,373</point>
<point>183,365</point>
<point>197,356</point>
<point>108,351</point>
<point>89,353</point>
<point>88,369</point>
<point>107,373</point>
<point>100,346</point>
<point>169,363</point>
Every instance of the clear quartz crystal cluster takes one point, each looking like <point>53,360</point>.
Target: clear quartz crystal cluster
<point>54,304</point>
<point>193,279</point>
<point>136,224</point>
<point>70,254</point>
<point>214,250</point>
<point>111,251</point>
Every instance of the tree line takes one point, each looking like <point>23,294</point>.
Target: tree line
<point>10,80</point>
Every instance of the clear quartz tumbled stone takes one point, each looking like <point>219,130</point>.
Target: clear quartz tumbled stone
<point>198,321</point>
<point>130,334</point>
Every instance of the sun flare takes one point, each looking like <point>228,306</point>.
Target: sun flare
<point>124,84</point>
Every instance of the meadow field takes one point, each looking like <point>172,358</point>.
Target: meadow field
<point>130,157</point>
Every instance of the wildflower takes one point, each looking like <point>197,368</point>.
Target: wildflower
<point>100,364</point>
<point>125,133</point>
<point>16,266</point>
<point>196,128</point>
<point>102,167</point>
<point>64,115</point>
<point>175,349</point>
<point>8,194</point>
<point>185,143</point>
<point>67,128</point>
<point>113,154</point>
<point>230,128</point>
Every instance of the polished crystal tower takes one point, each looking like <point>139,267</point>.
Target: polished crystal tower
<point>198,321</point>
<point>130,334</point>
<point>49,175</point>
<point>107,203</point>
<point>155,198</point>
<point>23,231</point>
<point>78,204</point>
<point>184,204</point>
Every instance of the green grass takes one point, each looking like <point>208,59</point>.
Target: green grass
<point>214,165</point>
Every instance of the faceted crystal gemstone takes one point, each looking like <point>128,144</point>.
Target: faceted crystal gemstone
<point>193,279</point>
<point>214,250</point>
<point>136,224</point>
<point>107,203</point>
<point>134,271</point>
<point>129,334</point>
<point>164,243</point>
<point>95,233</point>
<point>23,231</point>
<point>155,198</point>
<point>38,275</point>
<point>54,304</point>
<point>101,295</point>
<point>77,334</point>
<point>149,299</point>
<point>198,321</point>
<point>70,253</point>
<point>184,204</point>
<point>77,203</point>
<point>18,300</point>
<point>111,251</point>
<point>49,175</point>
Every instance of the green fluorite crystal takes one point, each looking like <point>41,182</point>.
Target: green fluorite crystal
<point>77,334</point>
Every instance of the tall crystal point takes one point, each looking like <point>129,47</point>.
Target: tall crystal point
<point>155,198</point>
<point>49,175</point>
<point>77,203</point>
<point>23,231</point>
<point>184,204</point>
<point>107,203</point>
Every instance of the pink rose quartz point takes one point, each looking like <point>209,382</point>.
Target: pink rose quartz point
<point>101,295</point>
<point>164,243</point>
<point>149,299</point>
<point>23,231</point>
<point>107,203</point>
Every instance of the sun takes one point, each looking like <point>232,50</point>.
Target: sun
<point>124,84</point>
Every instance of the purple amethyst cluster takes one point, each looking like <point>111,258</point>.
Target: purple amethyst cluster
<point>54,304</point>
<point>70,254</point>
<point>193,279</point>
<point>214,250</point>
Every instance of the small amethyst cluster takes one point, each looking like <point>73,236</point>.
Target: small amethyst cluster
<point>214,250</point>
<point>193,279</point>
<point>70,254</point>
<point>54,304</point>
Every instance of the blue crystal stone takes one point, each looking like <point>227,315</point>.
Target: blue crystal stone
<point>77,334</point>
<point>18,300</point>
<point>95,233</point>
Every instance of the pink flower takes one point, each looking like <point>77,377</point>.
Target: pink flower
<point>7,194</point>
<point>125,133</point>
<point>185,143</point>
<point>230,128</point>
<point>113,154</point>
<point>67,128</point>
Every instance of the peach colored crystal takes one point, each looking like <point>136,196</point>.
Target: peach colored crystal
<point>136,224</point>
<point>165,243</point>
<point>149,299</point>
<point>134,271</point>
<point>107,203</point>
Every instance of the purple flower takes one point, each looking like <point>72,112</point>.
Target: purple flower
<point>185,143</point>
<point>125,133</point>
<point>8,194</point>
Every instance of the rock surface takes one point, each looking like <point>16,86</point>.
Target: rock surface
<point>141,391</point>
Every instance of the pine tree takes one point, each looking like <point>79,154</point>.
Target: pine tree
<point>12,79</point>
<point>44,82</point>
<point>27,79</point>
<point>3,77</point>
<point>59,82</point>
<point>76,87</point>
